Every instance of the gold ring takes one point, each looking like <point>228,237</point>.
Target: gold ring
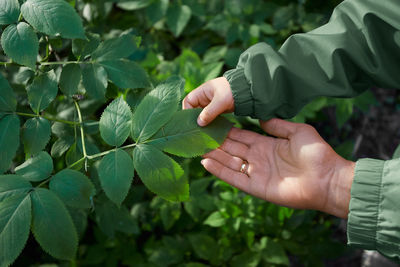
<point>244,167</point>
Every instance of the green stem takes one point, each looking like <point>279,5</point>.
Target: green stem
<point>76,163</point>
<point>81,127</point>
<point>47,117</point>
<point>65,62</point>
<point>108,151</point>
<point>44,182</point>
<point>5,63</point>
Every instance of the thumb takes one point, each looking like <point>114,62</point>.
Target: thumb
<point>210,112</point>
<point>279,128</point>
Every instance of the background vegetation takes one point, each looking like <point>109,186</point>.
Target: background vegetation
<point>220,226</point>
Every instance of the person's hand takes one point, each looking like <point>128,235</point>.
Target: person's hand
<point>214,96</point>
<point>297,169</point>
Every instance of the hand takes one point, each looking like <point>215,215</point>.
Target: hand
<point>297,169</point>
<point>214,96</point>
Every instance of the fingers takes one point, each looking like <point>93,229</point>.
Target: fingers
<point>237,179</point>
<point>243,136</point>
<point>211,111</point>
<point>235,148</point>
<point>199,97</point>
<point>279,128</point>
<point>226,159</point>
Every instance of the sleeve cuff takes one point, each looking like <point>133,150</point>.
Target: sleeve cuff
<point>241,91</point>
<point>364,204</point>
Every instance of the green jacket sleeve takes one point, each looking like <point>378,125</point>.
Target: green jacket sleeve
<point>358,48</point>
<point>374,218</point>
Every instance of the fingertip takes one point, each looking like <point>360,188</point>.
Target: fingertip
<point>201,122</point>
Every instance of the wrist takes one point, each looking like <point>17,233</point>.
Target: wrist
<point>339,189</point>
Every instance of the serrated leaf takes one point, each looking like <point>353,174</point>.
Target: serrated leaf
<point>61,146</point>
<point>9,11</point>
<point>80,220</point>
<point>73,155</point>
<point>115,48</point>
<point>72,187</point>
<point>52,225</point>
<point>36,168</point>
<point>126,74</point>
<point>134,4</point>
<point>115,122</point>
<point>36,134</point>
<point>8,102</point>
<point>161,174</point>
<point>215,219</point>
<point>116,174</point>
<point>11,185</point>
<point>42,91</point>
<point>84,47</point>
<point>156,109</point>
<point>178,17</point>
<point>69,80</point>
<point>94,78</point>
<point>9,140</point>
<point>53,17</point>
<point>15,221</point>
<point>21,44</point>
<point>182,129</point>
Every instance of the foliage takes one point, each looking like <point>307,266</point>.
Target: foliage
<point>90,119</point>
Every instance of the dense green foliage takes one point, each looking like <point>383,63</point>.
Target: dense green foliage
<point>91,127</point>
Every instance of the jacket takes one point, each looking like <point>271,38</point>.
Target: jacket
<point>358,48</point>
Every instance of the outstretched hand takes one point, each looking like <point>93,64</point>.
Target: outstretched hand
<point>296,168</point>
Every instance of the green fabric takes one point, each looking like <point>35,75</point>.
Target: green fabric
<point>357,49</point>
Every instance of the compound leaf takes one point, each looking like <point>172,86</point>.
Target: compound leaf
<point>53,17</point>
<point>15,221</point>
<point>9,11</point>
<point>116,174</point>
<point>115,48</point>
<point>12,184</point>
<point>82,48</point>
<point>8,102</point>
<point>37,168</point>
<point>21,44</point>
<point>69,80</point>
<point>156,109</point>
<point>9,140</point>
<point>52,225</point>
<point>126,74</point>
<point>178,17</point>
<point>182,129</point>
<point>115,122</point>
<point>72,187</point>
<point>35,134</point>
<point>94,78</point>
<point>161,174</point>
<point>42,91</point>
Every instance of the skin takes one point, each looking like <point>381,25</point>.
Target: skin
<point>292,167</point>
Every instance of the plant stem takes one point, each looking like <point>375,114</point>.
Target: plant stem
<point>47,117</point>
<point>44,182</point>
<point>5,63</point>
<point>81,127</point>
<point>65,62</point>
<point>76,162</point>
<point>108,151</point>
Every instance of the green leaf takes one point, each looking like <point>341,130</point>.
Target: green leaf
<point>42,91</point>
<point>126,74</point>
<point>61,146</point>
<point>94,78</point>
<point>11,185</point>
<point>21,44</point>
<point>116,174</point>
<point>216,219</point>
<point>182,129</point>
<point>246,259</point>
<point>161,174</point>
<point>9,140</point>
<point>15,221</point>
<point>134,4</point>
<point>170,212</point>
<point>157,10</point>
<point>9,11</point>
<point>36,168</point>
<point>115,48</point>
<point>396,153</point>
<point>8,102</point>
<point>52,225</point>
<point>82,48</point>
<point>156,109</point>
<point>344,110</point>
<point>73,155</point>
<point>69,80</point>
<point>72,187</point>
<point>274,253</point>
<point>36,134</point>
<point>178,17</point>
<point>53,17</point>
<point>204,246</point>
<point>115,122</point>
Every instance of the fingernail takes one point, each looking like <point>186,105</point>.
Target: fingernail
<point>200,121</point>
<point>202,162</point>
